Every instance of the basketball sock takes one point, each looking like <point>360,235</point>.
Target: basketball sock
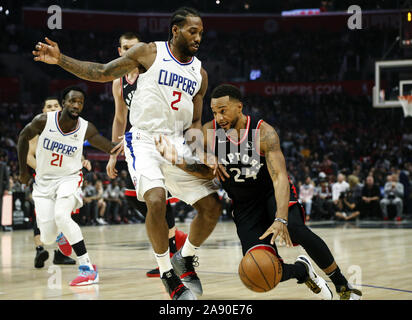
<point>337,278</point>
<point>85,260</point>
<point>294,271</point>
<point>163,261</point>
<point>188,249</point>
<point>172,245</point>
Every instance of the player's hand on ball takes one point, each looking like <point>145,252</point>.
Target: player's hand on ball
<point>278,229</point>
<point>47,52</point>
<point>166,149</point>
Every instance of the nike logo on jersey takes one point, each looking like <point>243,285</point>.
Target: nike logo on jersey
<point>167,59</point>
<point>221,141</point>
<point>52,130</point>
<point>125,86</point>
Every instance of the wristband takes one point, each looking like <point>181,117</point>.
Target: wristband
<point>285,222</point>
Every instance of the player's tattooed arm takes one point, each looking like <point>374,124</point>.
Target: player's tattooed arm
<point>34,128</point>
<point>141,54</point>
<point>275,161</point>
<point>97,140</point>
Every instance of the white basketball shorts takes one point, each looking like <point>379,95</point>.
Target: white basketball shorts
<point>54,189</point>
<point>143,160</point>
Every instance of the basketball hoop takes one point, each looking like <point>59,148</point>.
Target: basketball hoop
<point>406,102</point>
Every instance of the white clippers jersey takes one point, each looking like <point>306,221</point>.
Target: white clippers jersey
<point>59,154</point>
<point>163,102</point>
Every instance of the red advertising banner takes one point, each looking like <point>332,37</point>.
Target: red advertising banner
<point>350,87</point>
<point>159,22</point>
<point>353,88</point>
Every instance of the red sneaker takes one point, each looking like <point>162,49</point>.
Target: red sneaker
<point>180,238</point>
<point>64,245</point>
<point>86,276</point>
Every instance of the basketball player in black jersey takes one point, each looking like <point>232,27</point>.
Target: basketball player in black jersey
<point>265,200</point>
<point>123,90</point>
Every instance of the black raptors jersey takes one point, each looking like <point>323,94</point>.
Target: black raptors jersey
<point>128,89</point>
<point>249,177</point>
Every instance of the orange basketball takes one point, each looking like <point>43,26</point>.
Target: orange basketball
<point>260,270</point>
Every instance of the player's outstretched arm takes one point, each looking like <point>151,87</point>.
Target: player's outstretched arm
<point>168,151</point>
<point>141,53</point>
<point>32,129</point>
<point>119,124</point>
<point>275,161</point>
<point>98,141</point>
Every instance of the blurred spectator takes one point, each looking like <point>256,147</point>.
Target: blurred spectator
<point>4,177</point>
<point>355,188</point>
<point>306,192</point>
<point>346,208</point>
<point>322,200</point>
<point>392,195</point>
<point>404,178</point>
<point>369,206</point>
<point>114,203</point>
<point>101,203</point>
<point>88,213</point>
<point>341,186</point>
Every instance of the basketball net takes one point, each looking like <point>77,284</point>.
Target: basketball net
<point>406,102</point>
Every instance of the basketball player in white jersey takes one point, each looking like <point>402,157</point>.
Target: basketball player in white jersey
<point>168,100</point>
<point>58,181</point>
<point>61,255</point>
<point>123,90</point>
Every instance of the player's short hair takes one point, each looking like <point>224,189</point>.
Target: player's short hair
<point>71,88</point>
<point>128,36</point>
<point>223,90</point>
<point>179,18</point>
<point>49,98</point>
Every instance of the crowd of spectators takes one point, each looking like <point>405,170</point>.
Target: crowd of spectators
<point>326,139</point>
<point>342,154</point>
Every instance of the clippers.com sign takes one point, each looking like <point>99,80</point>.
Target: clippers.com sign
<point>353,88</point>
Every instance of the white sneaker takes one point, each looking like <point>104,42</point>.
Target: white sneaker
<point>101,221</point>
<point>314,282</point>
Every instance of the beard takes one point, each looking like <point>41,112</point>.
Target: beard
<point>73,117</point>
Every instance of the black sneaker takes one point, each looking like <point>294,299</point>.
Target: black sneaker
<point>175,287</point>
<point>60,258</point>
<point>41,256</point>
<point>184,267</point>
<point>154,273</point>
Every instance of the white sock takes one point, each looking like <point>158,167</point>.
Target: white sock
<point>84,260</point>
<point>188,249</point>
<point>163,261</point>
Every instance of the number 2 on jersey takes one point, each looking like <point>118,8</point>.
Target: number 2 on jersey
<point>179,96</point>
<point>57,160</point>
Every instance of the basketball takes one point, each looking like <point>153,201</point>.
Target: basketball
<point>260,270</point>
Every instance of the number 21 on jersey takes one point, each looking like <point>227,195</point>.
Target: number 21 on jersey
<point>57,160</point>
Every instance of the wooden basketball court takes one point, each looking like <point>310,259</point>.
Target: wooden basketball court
<point>376,257</point>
